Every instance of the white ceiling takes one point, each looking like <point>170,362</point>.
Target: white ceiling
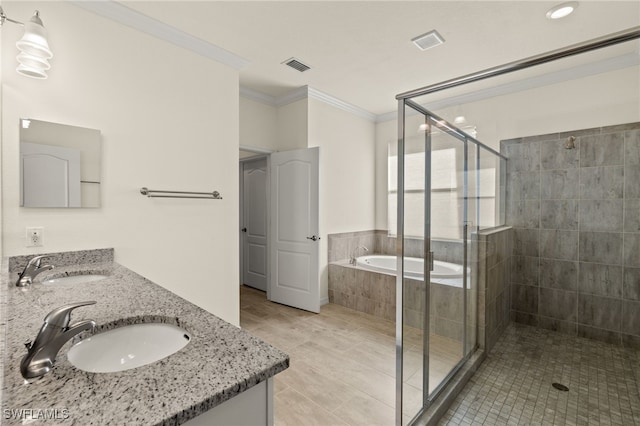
<point>361,53</point>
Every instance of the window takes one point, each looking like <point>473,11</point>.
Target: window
<point>447,193</point>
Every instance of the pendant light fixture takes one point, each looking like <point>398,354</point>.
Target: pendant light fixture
<point>34,48</point>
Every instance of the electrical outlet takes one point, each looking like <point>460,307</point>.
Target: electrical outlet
<point>35,237</point>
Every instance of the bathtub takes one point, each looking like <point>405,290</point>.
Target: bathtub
<point>413,267</point>
<point>371,289</point>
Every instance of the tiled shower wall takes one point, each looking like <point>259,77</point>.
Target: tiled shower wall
<point>576,219</point>
<point>494,276</point>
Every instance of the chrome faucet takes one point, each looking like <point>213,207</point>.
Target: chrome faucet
<point>354,256</point>
<point>55,332</point>
<point>32,269</point>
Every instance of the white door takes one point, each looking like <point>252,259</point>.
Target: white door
<point>50,176</point>
<point>294,236</point>
<point>254,228</point>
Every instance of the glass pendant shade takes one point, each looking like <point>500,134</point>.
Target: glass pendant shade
<point>34,49</point>
<point>33,61</point>
<point>34,41</point>
<point>31,72</point>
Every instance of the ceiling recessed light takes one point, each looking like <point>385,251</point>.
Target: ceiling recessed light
<point>562,10</point>
<point>428,40</point>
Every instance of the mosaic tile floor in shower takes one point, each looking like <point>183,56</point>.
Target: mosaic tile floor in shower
<point>514,384</point>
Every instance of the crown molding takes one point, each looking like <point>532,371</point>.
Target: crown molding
<point>593,68</point>
<point>254,95</point>
<point>122,14</point>
<point>293,96</point>
<point>306,92</point>
<point>340,104</point>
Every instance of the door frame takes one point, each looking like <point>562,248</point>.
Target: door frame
<point>241,235</point>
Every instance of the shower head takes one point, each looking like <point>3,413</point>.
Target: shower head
<point>571,143</point>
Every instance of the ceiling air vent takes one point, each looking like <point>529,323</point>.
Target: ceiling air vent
<point>428,40</point>
<point>296,64</point>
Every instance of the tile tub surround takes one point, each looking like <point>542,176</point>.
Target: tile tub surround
<point>575,214</point>
<point>364,291</point>
<point>341,246</point>
<point>219,362</point>
<point>374,293</point>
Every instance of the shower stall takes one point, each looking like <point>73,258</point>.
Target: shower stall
<point>445,188</point>
<point>448,186</point>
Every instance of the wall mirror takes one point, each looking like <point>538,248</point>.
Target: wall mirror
<point>59,165</point>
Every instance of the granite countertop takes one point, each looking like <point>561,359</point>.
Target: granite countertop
<point>219,362</point>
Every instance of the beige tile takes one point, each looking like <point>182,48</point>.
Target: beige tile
<point>371,333</point>
<point>337,310</point>
<point>293,312</point>
<point>339,366</point>
<point>342,362</point>
<point>412,362</point>
<point>353,316</point>
<point>282,337</point>
<point>294,409</point>
<point>366,411</point>
<point>331,323</point>
<point>278,319</point>
<point>380,356</point>
<point>412,401</point>
<point>249,322</point>
<point>325,391</point>
<point>260,310</point>
<point>415,379</point>
<point>384,326</point>
<point>279,384</point>
<point>333,340</point>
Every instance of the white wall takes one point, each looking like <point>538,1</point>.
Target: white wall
<point>599,100</point>
<point>258,124</point>
<point>1,131</point>
<point>292,125</point>
<point>347,174</point>
<point>164,125</point>
<point>347,162</point>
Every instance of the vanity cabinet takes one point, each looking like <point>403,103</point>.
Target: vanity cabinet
<point>253,407</point>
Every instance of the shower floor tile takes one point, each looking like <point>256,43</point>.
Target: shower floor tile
<point>513,386</point>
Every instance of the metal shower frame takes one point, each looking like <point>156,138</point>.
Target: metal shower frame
<point>404,100</point>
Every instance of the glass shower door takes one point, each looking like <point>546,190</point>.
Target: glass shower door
<point>436,219</point>
<point>447,295</point>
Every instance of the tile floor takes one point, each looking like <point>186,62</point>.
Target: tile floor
<point>343,367</point>
<point>342,363</point>
<point>513,385</point>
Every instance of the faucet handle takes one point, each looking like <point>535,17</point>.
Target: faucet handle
<point>36,260</point>
<point>62,316</point>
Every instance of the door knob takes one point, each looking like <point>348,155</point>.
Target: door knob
<point>244,229</point>
<point>313,238</point>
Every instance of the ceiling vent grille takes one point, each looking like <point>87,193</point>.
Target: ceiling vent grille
<point>296,64</point>
<point>428,40</point>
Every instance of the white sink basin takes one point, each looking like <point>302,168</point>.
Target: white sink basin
<point>127,347</point>
<point>75,279</point>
